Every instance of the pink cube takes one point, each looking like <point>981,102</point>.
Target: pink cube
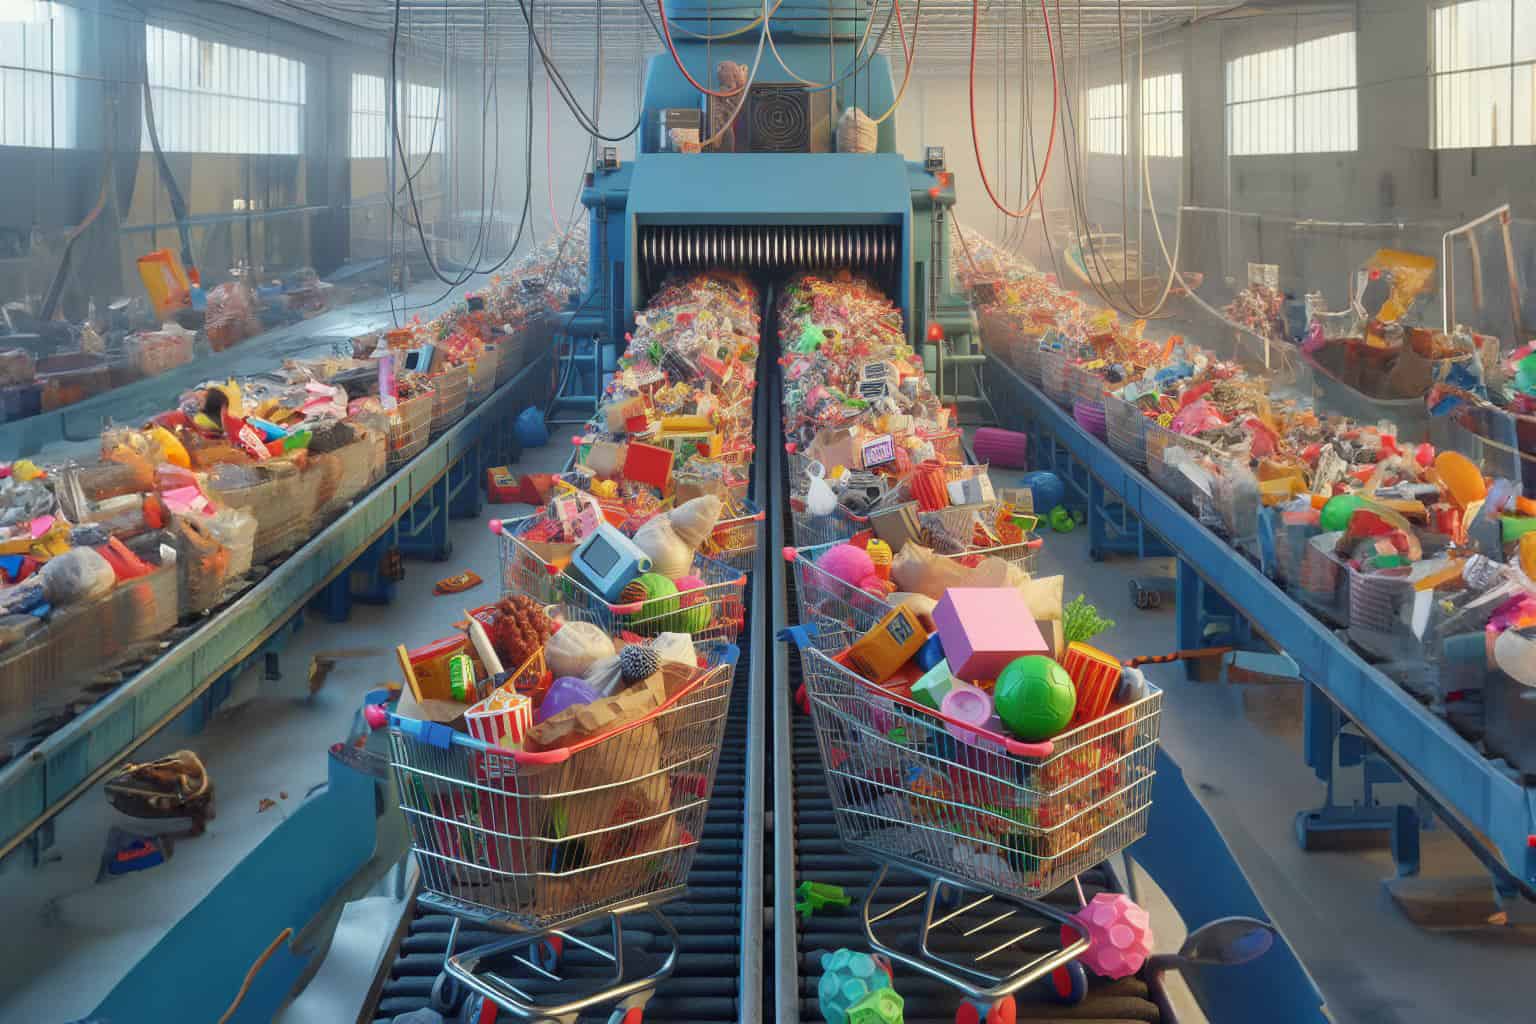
<point>982,629</point>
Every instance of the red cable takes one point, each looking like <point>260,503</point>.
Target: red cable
<point>1055,103</point>
<point>666,33</point>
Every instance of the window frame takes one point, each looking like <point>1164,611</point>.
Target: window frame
<point>1174,112</point>
<point>55,74</point>
<point>1509,67</point>
<point>1291,95</point>
<point>417,127</point>
<point>1093,119</point>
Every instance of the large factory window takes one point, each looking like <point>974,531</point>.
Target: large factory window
<point>1484,67</point>
<point>1106,119</point>
<point>214,98</point>
<point>423,124</point>
<point>1162,115</point>
<point>39,65</point>
<point>1299,98</point>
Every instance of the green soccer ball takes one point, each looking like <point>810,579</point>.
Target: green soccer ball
<point>1034,697</point>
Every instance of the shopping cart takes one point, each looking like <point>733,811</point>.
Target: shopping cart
<point>546,845</point>
<point>523,569</point>
<point>993,823</point>
<point>736,536</point>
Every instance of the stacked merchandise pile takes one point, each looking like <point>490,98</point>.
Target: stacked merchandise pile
<point>650,527</point>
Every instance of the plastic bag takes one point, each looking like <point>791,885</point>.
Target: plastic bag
<point>77,576</point>
<point>575,647</point>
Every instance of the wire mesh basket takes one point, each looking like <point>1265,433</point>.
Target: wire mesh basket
<point>1084,384</point>
<point>1027,358</point>
<point>810,530</point>
<point>482,376</point>
<point>1283,545</point>
<point>1053,376</point>
<point>913,787</point>
<point>1163,466</point>
<point>543,838</point>
<point>714,611</point>
<point>1380,603</point>
<point>450,396</point>
<point>1322,584</point>
<point>1235,497</point>
<point>410,427</point>
<point>736,537</point>
<point>1126,430</point>
<point>525,569</point>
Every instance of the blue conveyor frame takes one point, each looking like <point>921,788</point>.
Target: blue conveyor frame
<point>1482,800</point>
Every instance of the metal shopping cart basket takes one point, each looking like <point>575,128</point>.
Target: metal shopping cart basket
<point>714,611</point>
<point>736,536</point>
<point>548,845</point>
<point>1002,822</point>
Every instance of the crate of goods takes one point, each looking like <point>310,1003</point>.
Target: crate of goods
<point>1167,450</point>
<point>1235,496</point>
<point>1380,608</point>
<point>154,352</point>
<point>482,376</point>
<point>450,395</point>
<point>1125,428</point>
<point>1054,379</point>
<point>359,449</point>
<point>276,493</point>
<point>84,640</point>
<point>72,378</point>
<point>1322,581</point>
<point>410,427</point>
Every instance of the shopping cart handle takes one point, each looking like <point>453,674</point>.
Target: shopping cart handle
<point>434,734</point>
<point>1038,751</point>
<point>789,553</point>
<point>495,525</point>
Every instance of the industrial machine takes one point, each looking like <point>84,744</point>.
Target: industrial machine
<point>772,195</point>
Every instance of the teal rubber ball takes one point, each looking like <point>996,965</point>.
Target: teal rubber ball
<point>1034,697</point>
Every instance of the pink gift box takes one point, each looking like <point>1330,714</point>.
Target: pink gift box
<point>503,713</point>
<point>982,629</point>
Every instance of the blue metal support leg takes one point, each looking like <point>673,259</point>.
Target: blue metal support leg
<point>463,477</point>
<point>423,530</point>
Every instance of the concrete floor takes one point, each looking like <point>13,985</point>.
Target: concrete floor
<point>69,940</point>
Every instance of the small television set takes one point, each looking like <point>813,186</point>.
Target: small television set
<point>607,560</point>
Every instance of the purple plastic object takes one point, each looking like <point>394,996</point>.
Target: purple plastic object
<point>565,692</point>
<point>1090,416</point>
<point>968,704</point>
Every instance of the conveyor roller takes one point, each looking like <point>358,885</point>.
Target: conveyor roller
<point>782,248</point>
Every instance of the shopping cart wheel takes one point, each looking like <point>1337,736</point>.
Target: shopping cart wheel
<point>547,951</point>
<point>633,1015</point>
<point>1001,1012</point>
<point>1068,984</point>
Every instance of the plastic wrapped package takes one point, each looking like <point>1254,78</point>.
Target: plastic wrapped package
<point>202,564</point>
<point>233,315</point>
<point>16,367</point>
<point>235,529</point>
<point>154,352</point>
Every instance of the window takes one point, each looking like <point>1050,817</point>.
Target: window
<point>1162,115</point>
<point>39,59</point>
<point>1484,69</point>
<point>1295,99</point>
<point>1106,119</point>
<point>214,98</point>
<point>422,117</point>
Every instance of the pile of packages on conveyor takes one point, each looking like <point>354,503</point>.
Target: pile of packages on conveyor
<point>1405,519</point>
<point>102,558</point>
<point>917,579</point>
<point>622,600</point>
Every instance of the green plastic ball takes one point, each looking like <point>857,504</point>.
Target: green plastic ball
<point>660,596</point>
<point>1034,697</point>
<point>694,611</point>
<point>1337,510</point>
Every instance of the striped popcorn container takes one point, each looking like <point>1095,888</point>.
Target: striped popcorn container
<point>1096,675</point>
<point>503,714</point>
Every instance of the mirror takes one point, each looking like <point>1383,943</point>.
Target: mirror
<point>1229,941</point>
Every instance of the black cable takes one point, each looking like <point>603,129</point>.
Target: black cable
<point>173,191</point>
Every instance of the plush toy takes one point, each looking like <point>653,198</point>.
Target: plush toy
<point>670,540</point>
<point>694,613</point>
<point>852,564</point>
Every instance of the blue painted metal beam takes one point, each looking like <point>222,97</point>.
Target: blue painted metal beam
<point>1487,799</point>
<point>41,783</point>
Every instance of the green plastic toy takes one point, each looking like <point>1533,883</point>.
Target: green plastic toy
<point>816,896</point>
<point>1061,520</point>
<point>882,1006</point>
<point>1337,510</point>
<point>1034,697</point>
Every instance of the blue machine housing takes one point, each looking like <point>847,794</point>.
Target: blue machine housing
<point>776,212</point>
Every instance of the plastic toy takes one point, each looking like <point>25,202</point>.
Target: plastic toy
<point>530,428</point>
<point>648,464</point>
<point>882,1006</point>
<point>1062,520</point>
<point>638,663</point>
<point>1119,935</point>
<point>694,614</point>
<point>607,560</point>
<point>816,896</point>
<point>880,556</point>
<point>934,684</point>
<point>660,594</point>
<point>878,654</point>
<point>931,653</point>
<point>849,563</point>
<point>565,692</point>
<point>1046,488</point>
<point>847,976</point>
<point>966,703</point>
<point>1006,448</point>
<point>1035,698</point>
<point>983,629</point>
<point>1337,510</point>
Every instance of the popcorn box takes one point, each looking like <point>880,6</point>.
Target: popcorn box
<point>505,713</point>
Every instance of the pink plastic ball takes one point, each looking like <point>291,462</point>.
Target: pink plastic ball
<point>688,583</point>
<point>1119,935</point>
<point>848,563</point>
